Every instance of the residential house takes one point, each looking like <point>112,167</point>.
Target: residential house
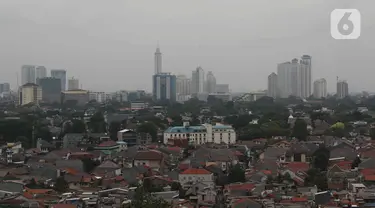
<point>132,137</point>
<point>73,164</point>
<point>150,158</point>
<point>301,152</point>
<point>338,178</point>
<point>194,175</point>
<point>44,146</point>
<point>108,168</point>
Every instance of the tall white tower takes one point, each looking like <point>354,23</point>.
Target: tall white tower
<point>158,61</point>
<point>320,88</point>
<point>210,82</point>
<point>197,79</point>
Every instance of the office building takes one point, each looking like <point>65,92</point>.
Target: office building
<point>197,81</point>
<point>222,88</point>
<point>73,84</point>
<point>158,61</point>
<point>342,89</point>
<point>164,87</point>
<point>80,97</point>
<point>40,72</point>
<point>198,135</point>
<point>320,88</point>
<point>27,74</point>
<point>29,93</point>
<point>4,87</point>
<point>272,90</point>
<point>210,83</point>
<point>60,74</point>
<point>183,85</point>
<point>51,89</point>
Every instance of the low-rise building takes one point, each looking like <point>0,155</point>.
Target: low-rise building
<point>205,133</point>
<point>195,175</point>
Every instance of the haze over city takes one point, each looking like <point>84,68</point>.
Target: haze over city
<point>110,45</point>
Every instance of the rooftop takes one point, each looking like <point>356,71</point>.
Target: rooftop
<point>192,129</point>
<point>196,171</point>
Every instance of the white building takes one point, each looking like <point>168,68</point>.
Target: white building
<point>196,175</point>
<point>210,83</point>
<point>60,74</point>
<point>320,88</point>
<point>197,81</point>
<point>100,97</point>
<point>158,61</point>
<point>272,85</point>
<point>30,93</point>
<point>183,85</point>
<point>205,133</point>
<point>73,84</point>
<point>27,74</point>
<point>342,89</point>
<point>294,78</point>
<point>304,77</point>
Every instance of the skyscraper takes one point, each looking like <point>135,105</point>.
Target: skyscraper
<point>51,89</point>
<point>158,61</point>
<point>29,93</point>
<point>183,85</point>
<point>197,81</point>
<point>164,87</point>
<point>342,89</point>
<point>304,77</point>
<point>41,72</point>
<point>73,84</point>
<point>272,85</point>
<point>294,78</point>
<point>210,83</point>
<point>27,74</point>
<point>60,74</point>
<point>320,88</point>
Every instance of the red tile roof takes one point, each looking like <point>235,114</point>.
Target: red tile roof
<point>370,178</point>
<point>149,155</point>
<point>241,186</point>
<point>109,143</point>
<point>368,171</point>
<point>63,206</point>
<point>299,199</point>
<point>298,166</point>
<point>196,171</point>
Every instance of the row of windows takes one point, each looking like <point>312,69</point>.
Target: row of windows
<point>196,135</point>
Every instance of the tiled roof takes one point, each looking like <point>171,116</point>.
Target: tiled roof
<point>241,186</point>
<point>298,166</point>
<point>369,177</point>
<point>149,155</point>
<point>196,171</point>
<point>109,143</point>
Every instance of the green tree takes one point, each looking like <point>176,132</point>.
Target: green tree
<point>316,177</point>
<point>300,130</point>
<point>356,162</point>
<point>78,126</point>
<point>236,174</point>
<point>114,127</point>
<point>321,158</point>
<point>97,123</point>
<point>61,185</point>
<point>149,127</point>
<point>89,165</point>
<point>175,186</point>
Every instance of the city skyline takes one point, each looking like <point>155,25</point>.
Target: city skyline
<point>91,47</point>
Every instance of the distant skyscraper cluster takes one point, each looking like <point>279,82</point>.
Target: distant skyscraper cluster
<point>181,88</point>
<point>292,79</point>
<point>49,88</point>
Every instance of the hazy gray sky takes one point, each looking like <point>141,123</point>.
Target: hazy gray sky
<point>109,45</point>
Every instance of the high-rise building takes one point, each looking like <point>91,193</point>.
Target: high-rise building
<point>183,85</point>
<point>342,89</point>
<point>210,83</point>
<point>40,72</point>
<point>60,74</point>
<point>304,77</point>
<point>222,88</point>
<point>197,81</point>
<point>272,85</point>
<point>30,93</point>
<point>27,74</point>
<point>80,97</point>
<point>4,87</point>
<point>294,78</point>
<point>320,88</point>
<point>51,89</point>
<point>164,87</point>
<point>158,61</point>
<point>73,84</point>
